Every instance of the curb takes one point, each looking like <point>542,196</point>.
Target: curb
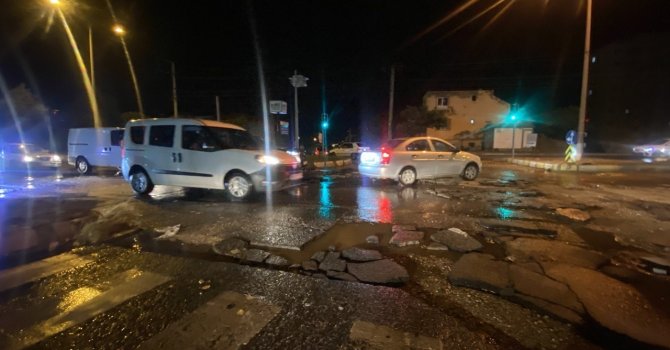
<point>331,163</point>
<point>589,168</point>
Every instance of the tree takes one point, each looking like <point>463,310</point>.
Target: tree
<point>29,109</point>
<point>413,121</point>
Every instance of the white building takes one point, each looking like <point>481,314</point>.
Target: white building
<point>468,112</point>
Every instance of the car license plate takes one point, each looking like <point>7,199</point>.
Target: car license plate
<point>297,176</point>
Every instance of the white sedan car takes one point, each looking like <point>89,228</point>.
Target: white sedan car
<point>658,148</point>
<point>416,158</point>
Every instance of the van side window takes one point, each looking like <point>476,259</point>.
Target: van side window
<point>137,135</point>
<point>161,135</point>
<point>198,138</point>
<point>116,137</point>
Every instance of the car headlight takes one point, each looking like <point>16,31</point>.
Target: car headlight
<point>56,158</point>
<point>269,160</point>
<point>28,159</point>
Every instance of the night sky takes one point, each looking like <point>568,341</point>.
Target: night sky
<point>530,54</point>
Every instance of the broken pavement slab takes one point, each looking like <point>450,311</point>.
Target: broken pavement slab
<point>276,260</point>
<point>457,240</point>
<point>381,271</point>
<point>256,255</point>
<point>614,304</point>
<point>332,262</point>
<point>574,214</point>
<point>343,276</point>
<point>540,286</point>
<point>359,254</point>
<point>528,249</point>
<point>406,238</point>
<point>481,271</point>
<point>233,247</point>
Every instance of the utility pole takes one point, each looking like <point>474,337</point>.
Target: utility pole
<point>391,95</point>
<point>174,91</point>
<point>585,82</point>
<point>90,57</point>
<point>218,109</point>
<point>297,81</point>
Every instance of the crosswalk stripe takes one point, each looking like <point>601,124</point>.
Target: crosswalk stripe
<point>135,282</point>
<point>17,276</point>
<point>386,338</point>
<point>228,321</point>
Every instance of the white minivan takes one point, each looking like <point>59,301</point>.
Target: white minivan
<point>202,154</point>
<point>89,147</point>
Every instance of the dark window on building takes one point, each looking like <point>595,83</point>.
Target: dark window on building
<point>137,135</point>
<point>474,98</point>
<point>161,135</point>
<point>116,137</point>
<point>418,145</point>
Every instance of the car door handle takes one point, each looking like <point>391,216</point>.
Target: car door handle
<point>440,156</point>
<point>179,155</point>
<point>414,156</point>
<point>174,157</point>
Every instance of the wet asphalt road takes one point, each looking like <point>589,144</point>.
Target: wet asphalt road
<point>121,295</point>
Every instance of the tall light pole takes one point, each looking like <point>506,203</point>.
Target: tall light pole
<point>90,57</point>
<point>297,81</point>
<point>391,96</point>
<point>585,82</point>
<point>121,33</point>
<point>175,110</point>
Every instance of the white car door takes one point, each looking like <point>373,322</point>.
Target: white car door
<point>165,156</point>
<point>203,158</point>
<point>446,164</point>
<point>419,155</point>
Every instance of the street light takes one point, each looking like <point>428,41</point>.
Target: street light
<point>121,33</point>
<point>117,29</point>
<point>54,2</point>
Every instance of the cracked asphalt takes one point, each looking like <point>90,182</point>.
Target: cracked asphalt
<point>50,214</point>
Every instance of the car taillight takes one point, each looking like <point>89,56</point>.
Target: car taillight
<point>386,158</point>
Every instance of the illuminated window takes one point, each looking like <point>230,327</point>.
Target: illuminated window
<point>472,121</point>
<point>442,102</point>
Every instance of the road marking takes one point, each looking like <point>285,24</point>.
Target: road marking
<point>228,321</point>
<point>85,303</point>
<point>386,338</point>
<point>18,276</point>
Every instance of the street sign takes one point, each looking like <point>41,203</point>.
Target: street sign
<point>298,80</point>
<point>283,127</point>
<point>571,137</point>
<point>278,107</point>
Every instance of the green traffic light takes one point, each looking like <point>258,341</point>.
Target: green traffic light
<point>324,125</point>
<point>513,116</point>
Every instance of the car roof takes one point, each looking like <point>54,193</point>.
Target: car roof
<point>185,121</point>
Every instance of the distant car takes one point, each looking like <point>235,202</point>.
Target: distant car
<point>658,148</point>
<point>345,149</point>
<point>416,158</point>
<point>22,155</point>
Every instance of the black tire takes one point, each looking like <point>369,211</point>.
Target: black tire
<point>82,165</point>
<point>238,186</point>
<point>140,182</point>
<point>470,172</point>
<point>407,176</point>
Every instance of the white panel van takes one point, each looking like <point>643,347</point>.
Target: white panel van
<point>94,147</point>
<point>202,154</point>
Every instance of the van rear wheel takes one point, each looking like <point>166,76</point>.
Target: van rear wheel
<point>141,183</point>
<point>82,165</point>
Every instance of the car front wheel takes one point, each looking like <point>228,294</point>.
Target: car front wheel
<point>82,165</point>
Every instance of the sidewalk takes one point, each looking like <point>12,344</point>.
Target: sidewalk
<point>593,165</point>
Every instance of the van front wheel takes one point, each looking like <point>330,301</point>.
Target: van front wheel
<point>141,183</point>
<point>82,165</point>
<point>239,186</point>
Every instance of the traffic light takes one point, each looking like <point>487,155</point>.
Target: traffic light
<point>324,125</point>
